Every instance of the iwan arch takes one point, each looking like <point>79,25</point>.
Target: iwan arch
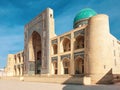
<point>89,50</point>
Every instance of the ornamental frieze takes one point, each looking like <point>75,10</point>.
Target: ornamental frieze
<point>81,54</point>
<point>54,41</point>
<point>65,56</point>
<point>66,36</point>
<point>35,27</point>
<point>80,32</point>
<point>54,59</point>
<point>35,20</point>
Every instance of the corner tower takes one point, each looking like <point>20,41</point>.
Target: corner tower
<point>99,49</point>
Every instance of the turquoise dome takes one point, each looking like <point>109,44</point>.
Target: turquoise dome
<point>84,14</point>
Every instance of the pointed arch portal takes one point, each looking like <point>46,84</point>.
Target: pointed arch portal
<point>36,51</point>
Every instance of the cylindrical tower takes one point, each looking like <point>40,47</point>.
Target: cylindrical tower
<point>99,49</point>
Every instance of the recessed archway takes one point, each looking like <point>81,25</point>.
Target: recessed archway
<point>35,52</point>
<point>65,45</point>
<point>19,71</point>
<point>55,67</point>
<point>65,66</point>
<point>79,42</point>
<point>79,65</point>
<point>55,49</point>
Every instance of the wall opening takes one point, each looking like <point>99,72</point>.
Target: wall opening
<point>35,51</point>
<point>66,66</point>
<point>79,42</point>
<point>79,66</point>
<point>66,45</point>
<point>55,48</point>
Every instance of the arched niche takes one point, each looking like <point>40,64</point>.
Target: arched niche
<point>79,42</point>
<point>65,45</point>
<point>79,65</point>
<point>35,51</point>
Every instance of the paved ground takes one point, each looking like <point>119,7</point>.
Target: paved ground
<point>18,85</point>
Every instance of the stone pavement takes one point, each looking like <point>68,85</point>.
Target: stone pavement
<point>19,85</point>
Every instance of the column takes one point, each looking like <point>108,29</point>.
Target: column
<point>59,59</point>
<point>72,55</point>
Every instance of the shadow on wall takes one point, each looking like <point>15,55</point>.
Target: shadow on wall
<point>116,78</point>
<point>91,87</point>
<point>75,79</point>
<point>81,79</point>
<point>107,79</point>
<point>76,87</point>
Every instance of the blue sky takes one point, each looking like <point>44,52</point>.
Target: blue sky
<point>14,14</point>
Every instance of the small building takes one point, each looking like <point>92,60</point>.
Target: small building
<point>15,64</point>
<point>10,65</point>
<point>19,63</point>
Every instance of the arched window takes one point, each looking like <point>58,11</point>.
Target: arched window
<point>79,42</point>
<point>79,66</point>
<point>35,53</point>
<point>66,45</point>
<point>55,66</point>
<point>55,48</point>
<point>66,66</point>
